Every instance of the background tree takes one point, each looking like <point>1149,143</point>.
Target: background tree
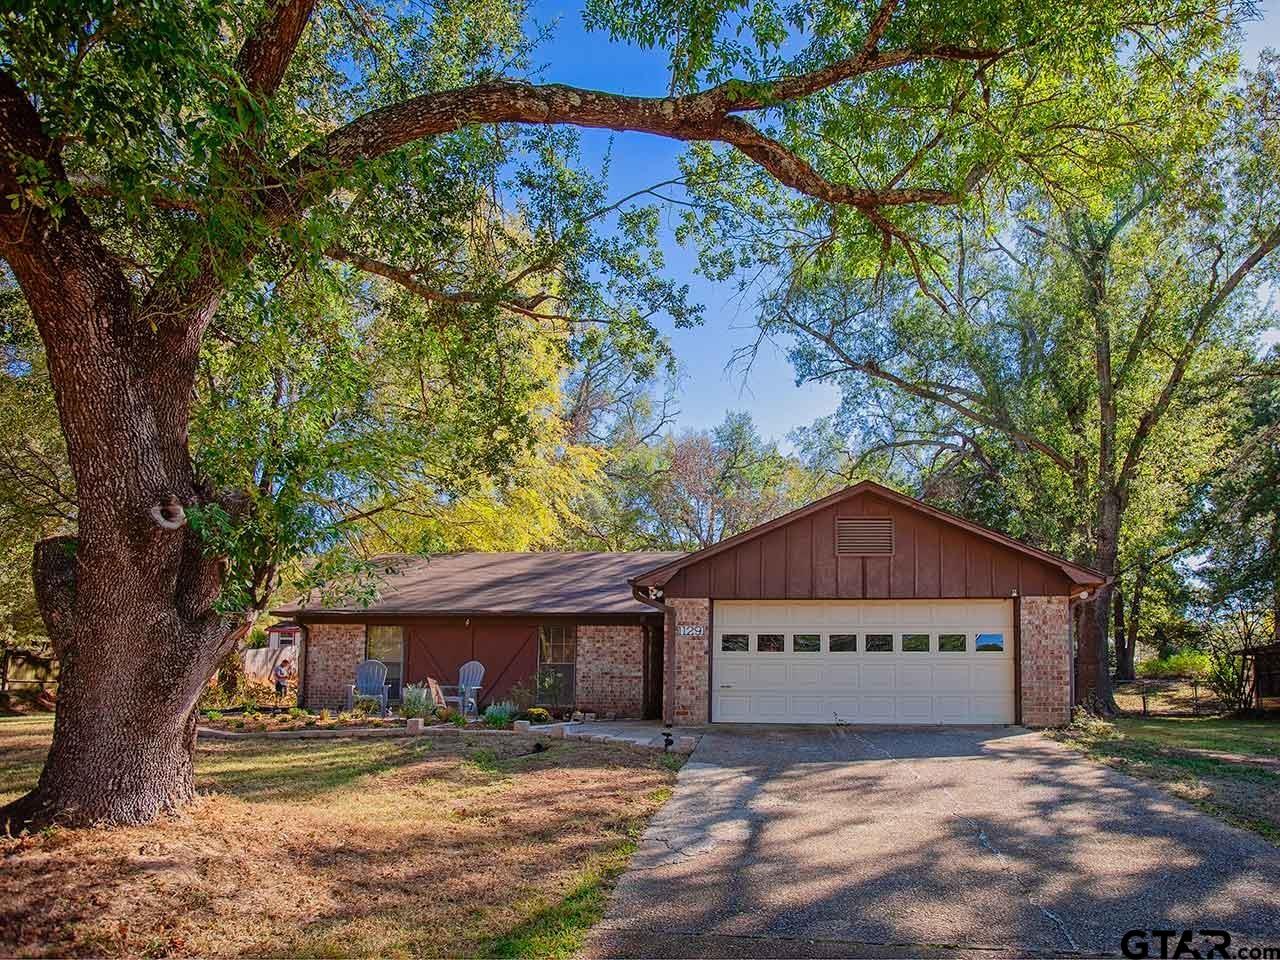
<point>162,165</point>
<point>37,494</point>
<point>1238,561</point>
<point>1085,361</point>
<point>690,490</point>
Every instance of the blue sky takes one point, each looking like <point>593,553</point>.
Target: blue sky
<point>708,389</point>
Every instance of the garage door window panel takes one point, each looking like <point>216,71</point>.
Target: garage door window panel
<point>879,643</point>
<point>953,642</point>
<point>806,643</point>
<point>915,643</point>
<point>843,643</point>
<point>735,643</point>
<point>989,643</point>
<point>770,642</point>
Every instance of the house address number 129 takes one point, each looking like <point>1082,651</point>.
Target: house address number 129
<point>690,630</point>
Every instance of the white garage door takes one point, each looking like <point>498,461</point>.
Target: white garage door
<point>870,661</point>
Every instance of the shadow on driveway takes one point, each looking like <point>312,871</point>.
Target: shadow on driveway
<point>859,841</point>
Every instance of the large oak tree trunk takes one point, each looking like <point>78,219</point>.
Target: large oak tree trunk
<point>128,602</point>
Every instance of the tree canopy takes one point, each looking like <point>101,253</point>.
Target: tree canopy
<point>295,264</point>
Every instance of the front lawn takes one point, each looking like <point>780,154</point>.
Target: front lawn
<point>429,846</point>
<point>1229,768</point>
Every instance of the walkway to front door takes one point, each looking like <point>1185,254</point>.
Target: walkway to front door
<point>849,841</point>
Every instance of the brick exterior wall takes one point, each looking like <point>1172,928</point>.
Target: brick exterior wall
<point>333,651</point>
<point>610,669</point>
<point>692,661</point>
<point>1046,661</point>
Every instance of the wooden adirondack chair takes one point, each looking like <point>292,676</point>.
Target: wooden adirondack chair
<point>465,700</point>
<point>371,681</point>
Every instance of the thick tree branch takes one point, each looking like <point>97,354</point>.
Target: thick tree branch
<point>872,369</point>
<point>1208,310</point>
<point>703,116</point>
<point>267,51</point>
<point>527,306</point>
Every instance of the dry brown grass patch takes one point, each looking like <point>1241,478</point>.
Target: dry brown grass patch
<point>424,847</point>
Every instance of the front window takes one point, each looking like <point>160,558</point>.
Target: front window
<point>386,644</point>
<point>557,664</point>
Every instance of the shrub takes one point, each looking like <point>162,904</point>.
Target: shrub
<point>550,687</point>
<point>523,694</point>
<point>499,714</point>
<point>445,714</point>
<point>296,712</point>
<point>367,707</point>
<point>1191,664</point>
<point>536,715</point>
<point>416,701</point>
<point>213,716</point>
<point>324,716</point>
<point>458,720</point>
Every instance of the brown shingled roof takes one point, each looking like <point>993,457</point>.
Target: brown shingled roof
<point>475,584</point>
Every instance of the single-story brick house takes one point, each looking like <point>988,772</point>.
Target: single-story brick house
<point>865,606</point>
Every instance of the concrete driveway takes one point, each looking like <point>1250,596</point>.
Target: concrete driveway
<point>851,841</point>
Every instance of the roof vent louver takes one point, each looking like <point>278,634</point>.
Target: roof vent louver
<point>864,536</point>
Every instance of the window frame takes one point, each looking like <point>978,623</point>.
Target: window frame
<point>928,643</point>
<point>746,640</point>
<point>755,643</point>
<point>566,640</point>
<point>1003,648</point>
<point>866,642</point>
<point>395,667</point>
<point>816,636</point>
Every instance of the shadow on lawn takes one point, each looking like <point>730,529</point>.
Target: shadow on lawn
<point>300,770</point>
<point>422,847</point>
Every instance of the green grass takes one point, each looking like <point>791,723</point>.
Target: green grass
<point>1179,755</point>
<point>1259,738</point>
<point>558,930</point>
<point>26,743</point>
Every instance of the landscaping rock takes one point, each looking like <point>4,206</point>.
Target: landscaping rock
<point>415,725</point>
<point>521,726</point>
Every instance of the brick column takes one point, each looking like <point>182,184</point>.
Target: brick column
<point>691,661</point>
<point>1046,661</point>
<point>334,650</point>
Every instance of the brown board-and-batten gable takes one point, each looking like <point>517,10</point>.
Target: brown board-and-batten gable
<point>925,553</point>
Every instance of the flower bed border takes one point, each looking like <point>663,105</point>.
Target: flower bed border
<point>567,730</point>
